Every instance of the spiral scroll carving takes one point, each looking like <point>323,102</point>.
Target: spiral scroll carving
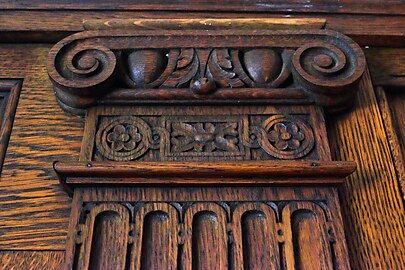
<point>82,73</point>
<point>83,67</point>
<point>327,71</point>
<point>322,67</point>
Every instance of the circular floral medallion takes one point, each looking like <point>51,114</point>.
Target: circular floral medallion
<point>287,137</point>
<point>123,138</point>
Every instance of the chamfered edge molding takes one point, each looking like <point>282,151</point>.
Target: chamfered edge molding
<point>210,67</point>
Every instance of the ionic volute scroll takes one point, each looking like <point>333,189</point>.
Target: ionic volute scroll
<point>219,66</point>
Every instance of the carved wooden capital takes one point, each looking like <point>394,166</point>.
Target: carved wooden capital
<point>209,180</point>
<point>239,66</point>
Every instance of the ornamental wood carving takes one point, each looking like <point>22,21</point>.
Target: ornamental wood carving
<point>182,223</point>
<point>205,149</point>
<point>159,133</point>
<point>262,66</point>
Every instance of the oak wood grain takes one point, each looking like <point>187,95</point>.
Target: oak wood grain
<point>9,98</point>
<point>34,209</point>
<point>217,226</point>
<point>32,260</point>
<point>189,169</point>
<point>373,210</point>
<point>392,106</point>
<point>206,24</point>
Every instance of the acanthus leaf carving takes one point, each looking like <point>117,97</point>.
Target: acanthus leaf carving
<point>325,67</point>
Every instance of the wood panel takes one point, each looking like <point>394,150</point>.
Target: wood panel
<point>348,6</point>
<point>37,260</point>
<point>34,209</point>
<point>392,106</point>
<point>386,67</point>
<point>372,206</point>
<point>9,94</point>
<point>52,26</point>
<point>213,227</point>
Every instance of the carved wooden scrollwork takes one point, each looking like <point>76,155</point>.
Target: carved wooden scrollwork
<point>221,66</point>
<point>185,132</point>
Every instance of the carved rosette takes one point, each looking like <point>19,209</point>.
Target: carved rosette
<point>129,137</point>
<point>124,138</point>
<point>287,137</point>
<point>298,67</point>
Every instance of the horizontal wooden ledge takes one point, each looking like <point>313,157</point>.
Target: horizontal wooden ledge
<point>205,23</point>
<point>231,172</point>
<point>265,95</point>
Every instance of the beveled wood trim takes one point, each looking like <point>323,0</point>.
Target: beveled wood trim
<point>192,173</point>
<point>13,88</point>
<point>326,6</point>
<point>266,168</point>
<point>206,24</point>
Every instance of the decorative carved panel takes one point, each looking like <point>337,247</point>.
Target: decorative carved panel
<point>300,67</point>
<point>200,133</point>
<point>182,222</point>
<point>205,149</point>
<point>161,235</point>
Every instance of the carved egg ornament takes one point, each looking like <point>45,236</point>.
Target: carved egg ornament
<point>145,66</point>
<point>262,65</point>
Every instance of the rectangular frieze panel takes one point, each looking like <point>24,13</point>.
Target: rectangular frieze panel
<point>199,133</point>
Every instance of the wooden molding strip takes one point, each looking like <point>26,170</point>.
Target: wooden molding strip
<point>189,170</point>
<point>206,24</point>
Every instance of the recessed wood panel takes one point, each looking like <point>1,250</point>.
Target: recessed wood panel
<point>9,95</point>
<point>34,209</point>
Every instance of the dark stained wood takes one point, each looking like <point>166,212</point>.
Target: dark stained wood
<point>262,169</point>
<point>345,6</point>
<point>206,228</point>
<point>386,67</point>
<point>324,64</point>
<point>372,204</point>
<point>206,24</point>
<point>184,147</point>
<point>41,133</point>
<point>45,26</point>
<point>253,173</point>
<point>35,211</point>
<point>204,133</point>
